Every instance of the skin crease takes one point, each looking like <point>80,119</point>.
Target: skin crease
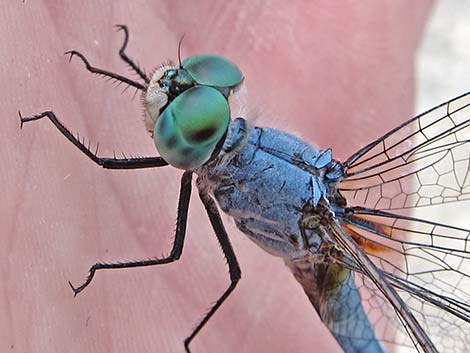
<point>337,73</point>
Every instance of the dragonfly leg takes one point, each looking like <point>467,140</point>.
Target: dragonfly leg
<point>112,75</point>
<point>128,60</point>
<point>234,267</point>
<point>105,162</point>
<point>183,205</point>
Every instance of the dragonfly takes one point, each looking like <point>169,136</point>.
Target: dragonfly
<point>377,275</point>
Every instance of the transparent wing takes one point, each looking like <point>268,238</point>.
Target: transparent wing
<point>424,161</point>
<point>428,263</point>
<point>421,167</point>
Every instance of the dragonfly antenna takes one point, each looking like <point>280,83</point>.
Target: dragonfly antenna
<point>179,49</point>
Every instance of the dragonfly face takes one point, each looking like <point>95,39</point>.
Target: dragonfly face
<point>186,108</point>
<point>340,227</point>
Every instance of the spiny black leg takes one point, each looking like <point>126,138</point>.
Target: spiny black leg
<point>183,205</point>
<point>105,162</point>
<point>233,266</point>
<point>105,73</point>
<point>128,60</point>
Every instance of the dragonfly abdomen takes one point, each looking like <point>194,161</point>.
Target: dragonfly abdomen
<point>333,292</point>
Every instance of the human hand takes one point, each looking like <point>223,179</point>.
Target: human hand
<point>338,76</point>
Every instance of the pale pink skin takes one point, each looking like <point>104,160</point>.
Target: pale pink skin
<point>338,75</point>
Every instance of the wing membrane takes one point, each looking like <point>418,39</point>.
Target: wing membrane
<point>428,264</point>
<point>424,161</point>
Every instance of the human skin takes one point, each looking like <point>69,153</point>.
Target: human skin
<point>336,74</point>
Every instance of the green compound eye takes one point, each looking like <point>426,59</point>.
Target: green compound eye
<point>213,70</point>
<point>190,128</point>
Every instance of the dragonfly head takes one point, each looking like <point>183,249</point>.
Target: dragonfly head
<point>187,110</point>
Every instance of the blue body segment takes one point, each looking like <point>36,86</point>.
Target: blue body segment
<point>332,291</point>
<point>258,184</point>
<point>265,179</point>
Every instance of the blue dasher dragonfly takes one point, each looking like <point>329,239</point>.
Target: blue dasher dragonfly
<point>376,275</point>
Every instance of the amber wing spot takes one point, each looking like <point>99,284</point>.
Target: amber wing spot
<point>369,245</point>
